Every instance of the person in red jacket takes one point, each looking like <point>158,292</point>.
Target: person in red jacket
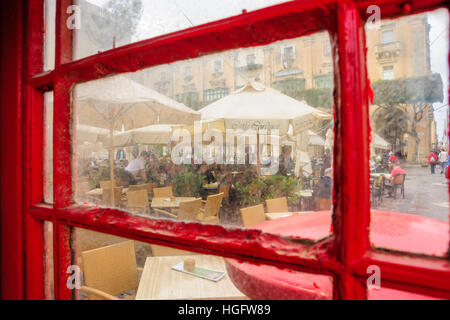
<point>432,160</point>
<point>389,184</point>
<point>392,157</point>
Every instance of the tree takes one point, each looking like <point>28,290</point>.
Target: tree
<point>396,98</point>
<point>114,23</point>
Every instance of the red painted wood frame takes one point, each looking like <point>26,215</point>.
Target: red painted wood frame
<point>345,255</point>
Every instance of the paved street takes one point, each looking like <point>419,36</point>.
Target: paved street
<point>425,194</point>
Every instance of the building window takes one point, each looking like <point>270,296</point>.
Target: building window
<point>288,56</point>
<point>388,73</point>
<point>188,73</point>
<point>211,95</point>
<point>251,59</point>
<point>387,36</point>
<point>323,81</point>
<point>218,67</point>
<point>290,86</point>
<point>327,48</point>
<point>189,99</point>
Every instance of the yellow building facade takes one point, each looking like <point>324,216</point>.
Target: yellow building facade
<point>396,49</point>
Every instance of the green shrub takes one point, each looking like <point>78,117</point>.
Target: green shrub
<point>188,184</point>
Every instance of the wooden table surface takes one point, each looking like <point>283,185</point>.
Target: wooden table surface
<point>160,282</point>
<point>163,203</point>
<point>279,215</point>
<point>99,191</point>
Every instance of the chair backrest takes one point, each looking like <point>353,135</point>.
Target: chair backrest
<point>159,251</point>
<point>106,196</point>
<point>213,204</point>
<point>380,181</point>
<point>189,209</point>
<point>322,203</point>
<point>277,205</point>
<point>81,188</point>
<point>138,200</point>
<point>225,190</point>
<point>399,179</point>
<point>252,215</point>
<point>111,269</point>
<point>164,192</point>
<point>107,184</point>
<point>146,186</point>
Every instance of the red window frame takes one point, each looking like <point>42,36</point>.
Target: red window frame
<point>345,255</point>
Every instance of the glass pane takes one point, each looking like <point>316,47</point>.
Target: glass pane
<point>107,24</point>
<point>48,147</point>
<point>48,261</point>
<point>407,62</point>
<point>134,270</point>
<point>174,138</point>
<point>49,34</point>
<point>384,293</point>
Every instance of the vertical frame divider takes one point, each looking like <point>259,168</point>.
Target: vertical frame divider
<point>351,149</point>
<point>62,187</point>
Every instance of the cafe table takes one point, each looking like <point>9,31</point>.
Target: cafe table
<point>279,215</point>
<point>99,191</point>
<point>160,282</point>
<point>169,203</point>
<point>398,231</point>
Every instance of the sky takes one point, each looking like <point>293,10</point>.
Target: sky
<point>164,16</point>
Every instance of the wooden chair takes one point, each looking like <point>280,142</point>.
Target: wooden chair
<point>225,190</point>
<point>110,271</point>
<point>277,205</point>
<point>106,196</point>
<point>188,210</point>
<point>399,183</point>
<point>322,204</point>
<point>138,201</point>
<point>136,187</point>
<point>377,190</point>
<point>210,212</point>
<point>252,215</point>
<point>164,192</point>
<point>82,187</point>
<point>159,251</point>
<point>107,184</point>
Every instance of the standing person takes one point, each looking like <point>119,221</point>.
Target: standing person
<point>326,161</point>
<point>432,160</point>
<point>443,160</point>
<point>392,157</point>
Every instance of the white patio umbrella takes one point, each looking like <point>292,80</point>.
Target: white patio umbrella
<point>117,102</point>
<point>378,142</point>
<point>258,107</point>
<point>157,134</point>
<point>315,139</point>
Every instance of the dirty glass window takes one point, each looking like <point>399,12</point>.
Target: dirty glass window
<point>408,71</point>
<point>172,152</point>
<point>48,147</point>
<point>111,267</point>
<point>107,24</point>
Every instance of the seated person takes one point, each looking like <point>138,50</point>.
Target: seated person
<point>124,178</point>
<point>389,183</point>
<point>210,175</point>
<point>137,166</point>
<point>324,188</point>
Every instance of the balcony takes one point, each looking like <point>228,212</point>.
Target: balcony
<point>388,52</point>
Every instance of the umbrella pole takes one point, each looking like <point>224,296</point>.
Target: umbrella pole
<point>111,162</point>
<point>258,160</point>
